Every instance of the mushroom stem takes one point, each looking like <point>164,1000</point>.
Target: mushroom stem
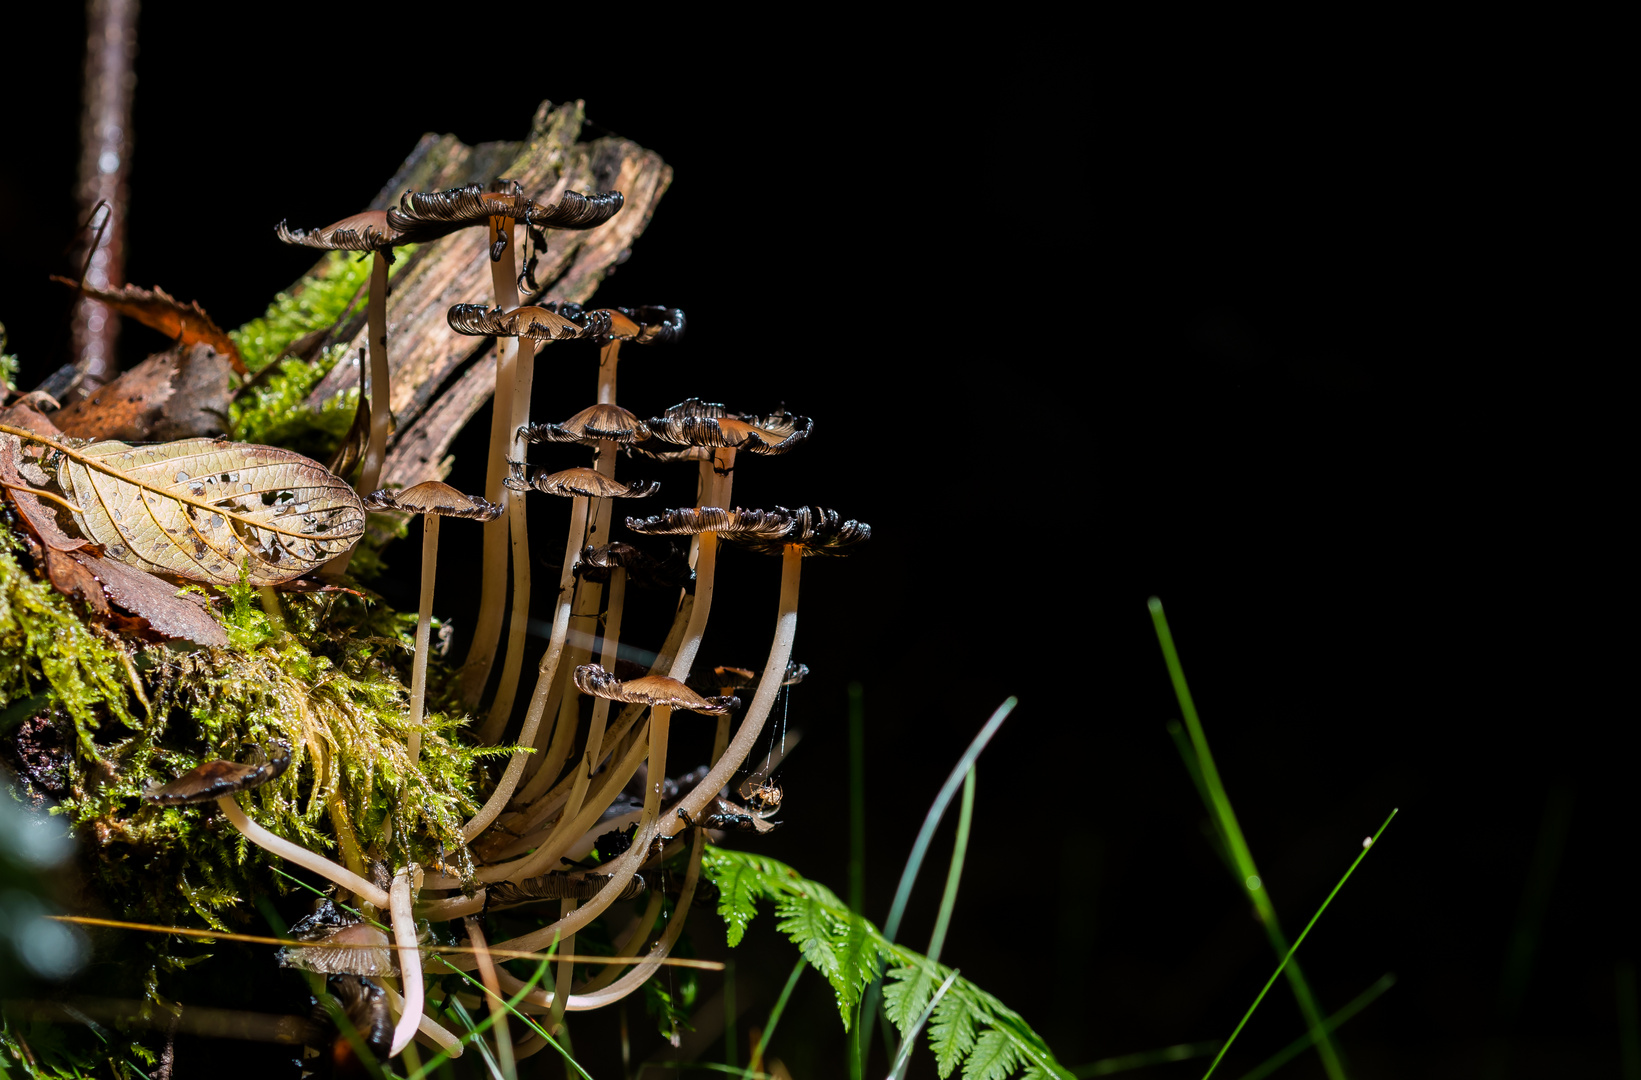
<point>519,622</point>
<point>381,409</point>
<point>496,1003</point>
<point>453,907</point>
<point>547,853</point>
<point>629,947</point>
<point>301,856</point>
<point>641,972</point>
<point>561,988</point>
<point>608,357</point>
<point>401,896</point>
<point>549,666</point>
<point>705,570</point>
<point>427,1026</point>
<point>780,653</point>
<point>493,590</point>
<point>424,629</point>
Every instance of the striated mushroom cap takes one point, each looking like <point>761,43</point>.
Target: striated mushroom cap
<point>433,497</point>
<point>428,215</point>
<point>696,423</point>
<point>739,678</point>
<point>577,481</point>
<point>341,944</point>
<point>817,530</point>
<point>367,231</point>
<point>651,690</point>
<point>592,425</point>
<point>648,325</point>
<point>687,521</point>
<point>670,571</point>
<point>535,323</point>
<point>214,779</point>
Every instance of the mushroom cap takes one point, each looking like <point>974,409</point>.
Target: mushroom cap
<point>535,323</point>
<point>428,215</point>
<point>594,424</point>
<point>670,571</point>
<point>340,945</point>
<point>648,325</point>
<point>365,1006</point>
<point>817,530</point>
<point>650,690</point>
<point>213,779</point>
<point>365,231</point>
<point>433,497</point>
<point>689,520</point>
<point>698,423</point>
<point>577,481</point>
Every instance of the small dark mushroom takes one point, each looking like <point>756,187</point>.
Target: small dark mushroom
<point>651,690</point>
<point>367,231</point>
<point>340,944</point>
<point>591,426</point>
<point>669,571</point>
<point>220,781</point>
<point>577,481</point>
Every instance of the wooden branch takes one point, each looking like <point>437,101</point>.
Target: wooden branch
<point>427,356</point>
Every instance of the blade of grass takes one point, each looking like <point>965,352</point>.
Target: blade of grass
<point>1219,803</point>
<point>903,1057</point>
<point>473,1038</point>
<point>1535,900</point>
<point>1299,1045</point>
<point>1144,1059</point>
<point>756,1064</point>
<point>857,849</point>
<point>948,901</point>
<point>1367,845</point>
<point>920,848</point>
<point>730,1049</point>
<point>1629,1023</point>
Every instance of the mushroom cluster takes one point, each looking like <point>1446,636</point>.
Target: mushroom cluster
<point>564,791</point>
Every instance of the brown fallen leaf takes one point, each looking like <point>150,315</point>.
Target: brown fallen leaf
<point>176,394</point>
<point>75,569</point>
<point>187,323</point>
<point>171,614</point>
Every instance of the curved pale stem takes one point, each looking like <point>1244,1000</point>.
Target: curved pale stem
<point>424,628</point>
<point>532,793</point>
<point>301,856</point>
<point>641,973</point>
<point>496,1003</point>
<point>780,652</point>
<point>561,988</point>
<point>493,591</point>
<point>705,570</point>
<point>429,1028</point>
<point>501,710</point>
<point>401,896</point>
<point>453,907</point>
<point>549,665</point>
<point>629,947</point>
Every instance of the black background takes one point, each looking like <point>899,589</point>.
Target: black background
<point>1081,320</point>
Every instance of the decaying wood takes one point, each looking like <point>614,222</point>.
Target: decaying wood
<point>176,394</point>
<point>441,378</point>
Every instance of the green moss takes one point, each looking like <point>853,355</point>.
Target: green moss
<point>50,659</point>
<point>313,303</point>
<point>276,412</point>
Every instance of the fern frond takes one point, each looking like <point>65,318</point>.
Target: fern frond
<point>970,1027</point>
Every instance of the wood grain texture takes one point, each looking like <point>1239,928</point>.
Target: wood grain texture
<point>441,378</point>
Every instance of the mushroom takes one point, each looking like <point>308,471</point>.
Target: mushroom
<point>652,690</point>
<point>221,780</point>
<point>369,231</point>
<point>578,484</point>
<point>339,944</point>
<point>813,531</point>
<point>528,325</point>
<point>433,500</point>
<point>422,216</point>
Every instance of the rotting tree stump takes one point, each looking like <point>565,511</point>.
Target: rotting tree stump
<point>442,378</point>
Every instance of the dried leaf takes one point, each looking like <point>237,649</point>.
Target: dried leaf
<point>200,508</point>
<point>175,394</point>
<point>157,308</point>
<point>141,593</point>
